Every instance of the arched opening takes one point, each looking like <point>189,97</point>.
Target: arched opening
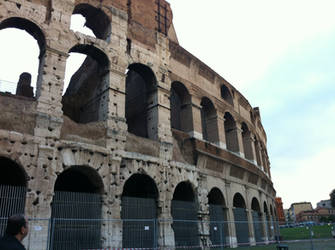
<point>22,70</point>
<point>86,97</point>
<point>257,219</point>
<point>271,210</point>
<point>209,121</point>
<point>184,210</point>
<point>218,217</point>
<point>226,95</point>
<point>241,219</point>
<point>95,19</point>
<point>141,95</point>
<point>267,220</point>
<point>247,140</point>
<point>181,108</point>
<point>139,212</point>
<point>13,182</point>
<point>76,209</point>
<point>231,133</point>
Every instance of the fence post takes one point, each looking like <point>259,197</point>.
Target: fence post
<point>155,233</point>
<point>311,235</point>
<point>48,234</point>
<point>52,221</point>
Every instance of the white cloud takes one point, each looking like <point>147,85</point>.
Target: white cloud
<point>242,39</point>
<point>248,43</point>
<point>303,179</point>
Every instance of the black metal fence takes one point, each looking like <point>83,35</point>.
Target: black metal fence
<point>76,224</point>
<point>79,237</point>
<point>68,209</point>
<point>12,201</point>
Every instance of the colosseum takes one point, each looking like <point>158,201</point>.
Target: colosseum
<point>148,147</point>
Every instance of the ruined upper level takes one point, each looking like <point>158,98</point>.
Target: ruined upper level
<point>136,82</point>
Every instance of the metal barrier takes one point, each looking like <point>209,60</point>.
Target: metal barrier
<point>159,234</point>
<point>15,198</point>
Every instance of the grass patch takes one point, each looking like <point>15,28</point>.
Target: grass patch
<point>300,233</point>
<point>267,247</point>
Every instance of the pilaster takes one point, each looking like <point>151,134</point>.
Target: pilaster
<point>221,130</point>
<point>196,115</point>
<point>240,139</point>
<point>49,94</point>
<point>265,228</point>
<point>231,238</point>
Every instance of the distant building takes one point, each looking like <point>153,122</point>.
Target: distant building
<point>287,216</point>
<point>309,215</point>
<point>280,211</point>
<point>324,204</point>
<point>298,207</point>
<point>315,215</point>
<point>325,212</point>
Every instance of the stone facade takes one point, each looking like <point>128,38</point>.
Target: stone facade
<point>216,140</point>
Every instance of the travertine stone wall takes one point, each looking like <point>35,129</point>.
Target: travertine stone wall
<point>46,143</point>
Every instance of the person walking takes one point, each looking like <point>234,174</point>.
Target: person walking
<point>16,231</point>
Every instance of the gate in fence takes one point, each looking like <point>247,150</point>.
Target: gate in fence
<point>258,226</point>
<point>185,224</point>
<point>76,221</point>
<point>139,222</point>
<point>217,225</point>
<point>241,225</point>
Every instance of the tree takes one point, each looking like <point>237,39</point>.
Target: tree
<point>332,198</point>
<point>324,219</point>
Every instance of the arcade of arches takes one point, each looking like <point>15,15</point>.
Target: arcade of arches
<point>146,147</point>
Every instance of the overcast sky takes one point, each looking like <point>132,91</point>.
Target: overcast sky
<point>281,56</point>
<point>278,54</point>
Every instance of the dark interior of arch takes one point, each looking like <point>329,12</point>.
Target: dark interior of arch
<point>79,179</point>
<point>77,196</point>
<point>141,186</point>
<point>226,95</point>
<point>11,173</point>
<point>215,197</point>
<point>184,192</point>
<point>86,97</point>
<point>140,86</point>
<point>266,208</point>
<point>208,120</point>
<point>180,101</point>
<point>28,26</point>
<point>96,20</point>
<point>231,133</point>
<point>238,201</point>
<point>208,107</point>
<point>245,129</point>
<point>230,123</point>
<point>255,205</point>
